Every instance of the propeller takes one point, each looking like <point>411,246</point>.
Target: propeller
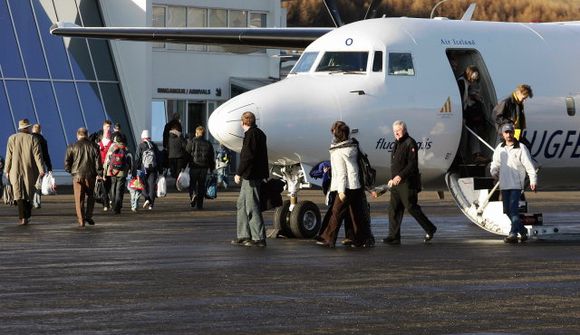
<point>332,8</point>
<point>334,13</point>
<point>372,10</point>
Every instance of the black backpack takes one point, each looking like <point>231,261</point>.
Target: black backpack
<point>367,174</point>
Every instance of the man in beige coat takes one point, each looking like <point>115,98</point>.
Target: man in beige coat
<point>23,166</point>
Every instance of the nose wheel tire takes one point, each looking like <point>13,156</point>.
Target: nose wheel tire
<point>281,220</point>
<point>305,220</point>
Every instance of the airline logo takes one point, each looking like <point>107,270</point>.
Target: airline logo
<point>446,108</point>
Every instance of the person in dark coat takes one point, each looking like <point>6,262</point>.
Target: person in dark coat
<point>511,110</point>
<point>151,171</point>
<point>252,170</point>
<point>201,155</point>
<point>37,132</point>
<point>174,123</point>
<point>176,154</point>
<point>83,162</point>
<point>405,184</point>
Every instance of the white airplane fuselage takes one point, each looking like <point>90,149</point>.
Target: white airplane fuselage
<point>297,112</point>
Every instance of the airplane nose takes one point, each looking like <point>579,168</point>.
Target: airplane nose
<point>224,123</point>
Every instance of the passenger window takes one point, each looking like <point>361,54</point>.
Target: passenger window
<point>401,64</point>
<point>571,106</point>
<point>378,61</point>
<point>305,62</point>
<point>343,61</point>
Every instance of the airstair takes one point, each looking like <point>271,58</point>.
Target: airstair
<point>478,196</point>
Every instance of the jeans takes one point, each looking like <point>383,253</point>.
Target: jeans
<point>135,195</point>
<point>222,176</point>
<point>511,202</point>
<point>250,223</point>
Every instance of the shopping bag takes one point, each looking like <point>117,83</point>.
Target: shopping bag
<point>161,186</point>
<point>48,184</point>
<point>135,184</point>
<point>182,182</point>
<point>211,187</point>
<point>99,193</point>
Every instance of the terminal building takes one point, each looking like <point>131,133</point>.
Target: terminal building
<point>64,83</point>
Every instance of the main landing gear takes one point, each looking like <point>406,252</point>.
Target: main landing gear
<point>300,219</point>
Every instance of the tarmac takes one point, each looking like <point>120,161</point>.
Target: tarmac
<point>172,270</point>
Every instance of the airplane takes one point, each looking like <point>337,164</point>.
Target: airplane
<point>373,72</point>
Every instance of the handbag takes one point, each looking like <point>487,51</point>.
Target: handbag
<point>211,187</point>
<point>271,194</point>
<point>99,192</point>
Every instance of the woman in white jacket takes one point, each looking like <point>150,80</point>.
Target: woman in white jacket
<point>511,161</point>
<point>345,182</point>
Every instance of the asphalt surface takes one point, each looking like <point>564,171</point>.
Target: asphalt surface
<point>173,271</point>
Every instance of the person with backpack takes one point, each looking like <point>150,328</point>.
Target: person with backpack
<point>405,184</point>
<point>148,160</point>
<point>202,158</point>
<point>346,183</point>
<point>117,165</point>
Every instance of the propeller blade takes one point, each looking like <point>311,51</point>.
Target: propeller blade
<point>372,10</point>
<point>334,13</point>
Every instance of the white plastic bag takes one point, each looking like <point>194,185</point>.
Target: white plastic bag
<point>182,182</point>
<point>48,184</point>
<point>161,186</point>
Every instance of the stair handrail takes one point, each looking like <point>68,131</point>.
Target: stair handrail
<point>479,138</point>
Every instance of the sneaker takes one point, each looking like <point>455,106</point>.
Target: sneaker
<point>429,236</point>
<point>150,207</point>
<point>133,209</point>
<point>511,239</point>
<point>90,222</point>
<point>391,240</point>
<point>105,209</point>
<point>146,204</point>
<point>252,243</point>
<point>523,238</point>
<point>239,241</point>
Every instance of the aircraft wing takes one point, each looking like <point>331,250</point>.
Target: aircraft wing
<point>274,38</point>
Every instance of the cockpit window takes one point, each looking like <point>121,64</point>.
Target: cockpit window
<point>305,62</point>
<point>343,61</point>
<point>401,64</point>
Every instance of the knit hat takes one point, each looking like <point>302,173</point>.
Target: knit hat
<point>145,134</point>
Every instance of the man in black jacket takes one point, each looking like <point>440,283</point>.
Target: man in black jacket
<point>202,158</point>
<point>252,170</point>
<point>37,132</point>
<point>511,110</point>
<point>405,185</point>
<point>83,162</point>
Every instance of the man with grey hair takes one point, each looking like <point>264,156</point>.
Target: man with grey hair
<point>405,184</point>
<point>252,170</point>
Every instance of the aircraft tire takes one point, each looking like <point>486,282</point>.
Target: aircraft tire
<point>305,220</point>
<point>281,219</point>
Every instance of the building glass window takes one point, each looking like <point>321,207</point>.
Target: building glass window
<point>217,19</point>
<point>49,118</point>
<point>59,88</point>
<point>28,38</point>
<point>258,20</point>
<point>53,47</point>
<point>158,18</point>
<point>158,120</point>
<point>196,18</point>
<point>176,18</point>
